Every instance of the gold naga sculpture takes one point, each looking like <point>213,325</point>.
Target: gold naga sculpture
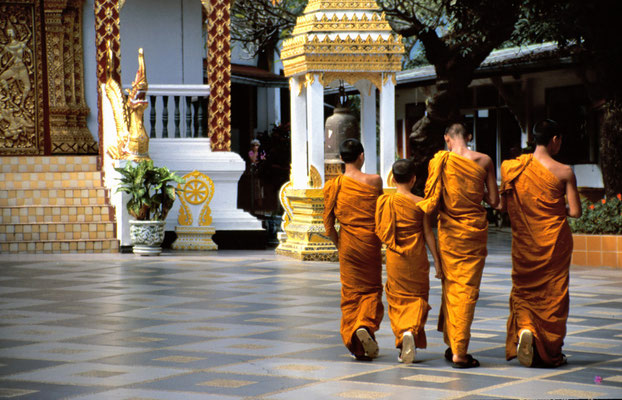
<point>132,140</point>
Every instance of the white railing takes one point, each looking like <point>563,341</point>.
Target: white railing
<point>177,111</point>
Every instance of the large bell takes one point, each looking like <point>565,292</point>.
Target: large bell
<point>340,126</point>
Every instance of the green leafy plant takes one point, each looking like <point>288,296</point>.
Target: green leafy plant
<point>151,189</point>
<point>601,217</point>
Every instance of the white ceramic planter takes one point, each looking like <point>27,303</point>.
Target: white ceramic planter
<point>147,237</point>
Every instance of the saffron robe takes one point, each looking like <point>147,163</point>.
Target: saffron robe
<point>541,252</point>
<point>353,204</point>
<point>399,225</point>
<point>455,188</point>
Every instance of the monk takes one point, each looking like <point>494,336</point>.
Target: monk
<point>458,180</point>
<point>405,229</point>
<point>533,188</point>
<point>351,199</point>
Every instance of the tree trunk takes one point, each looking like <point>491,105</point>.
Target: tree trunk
<point>611,148</point>
<point>427,133</point>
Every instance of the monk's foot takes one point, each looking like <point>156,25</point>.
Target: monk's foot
<point>464,361</point>
<point>408,353</point>
<point>369,344</point>
<point>524,350</point>
<point>449,356</point>
<point>360,357</point>
<point>563,361</point>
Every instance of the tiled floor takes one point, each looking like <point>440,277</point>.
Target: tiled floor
<point>236,324</point>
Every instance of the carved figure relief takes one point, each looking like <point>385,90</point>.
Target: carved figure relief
<point>20,78</point>
<point>16,71</point>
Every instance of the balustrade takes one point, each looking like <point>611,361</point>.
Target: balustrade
<point>189,110</point>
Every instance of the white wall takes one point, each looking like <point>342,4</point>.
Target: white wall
<point>170,33</point>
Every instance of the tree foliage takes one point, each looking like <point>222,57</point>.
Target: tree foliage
<point>591,27</point>
<point>457,35</point>
<point>258,25</point>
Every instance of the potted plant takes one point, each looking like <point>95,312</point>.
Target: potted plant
<point>597,234</point>
<point>152,193</point>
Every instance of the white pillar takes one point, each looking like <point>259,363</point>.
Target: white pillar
<point>368,125</point>
<point>276,106</point>
<point>298,104</point>
<point>387,126</point>
<point>263,109</point>
<point>315,124</point>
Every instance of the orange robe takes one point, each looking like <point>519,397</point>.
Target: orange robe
<point>541,251</point>
<point>353,204</point>
<point>399,225</point>
<point>455,187</point>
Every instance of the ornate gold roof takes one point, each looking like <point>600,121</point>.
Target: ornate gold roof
<point>342,36</point>
<point>327,5</point>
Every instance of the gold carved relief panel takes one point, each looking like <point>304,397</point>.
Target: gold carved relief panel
<point>68,111</point>
<point>21,78</point>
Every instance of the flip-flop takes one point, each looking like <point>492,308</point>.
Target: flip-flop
<point>408,353</point>
<point>524,350</point>
<point>469,363</point>
<point>369,344</point>
<point>449,356</point>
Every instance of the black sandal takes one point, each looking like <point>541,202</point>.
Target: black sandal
<point>449,356</point>
<point>469,363</point>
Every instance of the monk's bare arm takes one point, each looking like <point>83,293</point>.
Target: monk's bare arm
<point>329,219</point>
<point>334,236</point>
<point>430,241</point>
<point>572,194</point>
<point>329,226</point>
<point>492,192</point>
<point>502,206</point>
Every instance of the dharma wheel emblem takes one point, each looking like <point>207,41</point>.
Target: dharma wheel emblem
<point>196,192</point>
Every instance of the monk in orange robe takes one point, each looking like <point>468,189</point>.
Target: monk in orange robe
<point>351,199</point>
<point>458,180</point>
<point>533,189</point>
<point>404,227</point>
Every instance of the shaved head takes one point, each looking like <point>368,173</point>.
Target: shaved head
<point>457,129</point>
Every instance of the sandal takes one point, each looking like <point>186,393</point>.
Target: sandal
<point>469,363</point>
<point>525,350</point>
<point>449,356</point>
<point>370,346</point>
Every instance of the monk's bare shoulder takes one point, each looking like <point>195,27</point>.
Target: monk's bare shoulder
<point>368,179</point>
<point>373,180</point>
<point>563,172</point>
<point>483,160</point>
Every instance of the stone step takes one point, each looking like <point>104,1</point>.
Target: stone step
<point>72,196</point>
<point>48,164</point>
<point>54,205</point>
<point>59,214</point>
<point>60,246</point>
<point>57,231</point>
<point>50,180</point>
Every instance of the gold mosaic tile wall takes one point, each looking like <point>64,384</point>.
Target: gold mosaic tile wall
<point>54,205</point>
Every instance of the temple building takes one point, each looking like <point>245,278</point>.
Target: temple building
<point>207,101</point>
<point>56,194</point>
